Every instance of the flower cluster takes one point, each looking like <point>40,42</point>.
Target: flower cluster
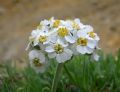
<point>61,39</point>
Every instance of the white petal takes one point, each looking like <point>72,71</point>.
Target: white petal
<point>47,42</point>
<point>95,56</point>
<point>58,58</point>
<point>42,47</point>
<point>81,49</point>
<point>33,54</point>
<point>98,48</point>
<point>36,54</point>
<point>70,39</point>
<point>34,33</point>
<point>49,49</point>
<point>36,41</point>
<point>51,55</point>
<point>52,38</point>
<point>82,34</point>
<point>42,57</point>
<point>45,22</point>
<point>97,38</point>
<point>41,34</point>
<point>87,28</point>
<point>77,20</point>
<point>68,25</point>
<point>81,25</point>
<point>64,56</point>
<point>62,42</point>
<point>41,69</point>
<point>73,49</point>
<point>92,43</point>
<point>69,53</point>
<point>89,50</point>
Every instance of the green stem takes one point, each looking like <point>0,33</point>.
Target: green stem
<point>56,77</point>
<point>69,74</point>
<point>84,74</point>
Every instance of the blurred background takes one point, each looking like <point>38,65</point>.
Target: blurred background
<point>19,17</point>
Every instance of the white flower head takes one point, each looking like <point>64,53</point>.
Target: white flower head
<point>85,44</point>
<point>87,30</point>
<point>59,51</point>
<point>34,34</point>
<point>76,24</point>
<point>61,39</point>
<point>64,34</point>
<point>56,23</point>
<point>42,38</point>
<point>37,60</point>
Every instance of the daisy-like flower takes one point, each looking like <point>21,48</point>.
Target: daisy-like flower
<point>61,39</point>
<point>64,34</point>
<point>84,43</point>
<point>41,38</point>
<point>37,61</point>
<point>76,24</point>
<point>46,25</point>
<point>34,34</point>
<point>82,46</point>
<point>56,23</point>
<point>59,51</point>
<point>88,30</point>
<point>32,38</point>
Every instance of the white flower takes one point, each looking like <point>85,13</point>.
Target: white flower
<point>44,38</point>
<point>45,22</point>
<point>64,34</point>
<point>84,43</point>
<point>77,25</point>
<point>59,51</point>
<point>73,49</point>
<point>34,34</point>
<point>32,38</point>
<point>55,23</point>
<point>61,39</point>
<point>67,24</point>
<point>37,61</point>
<point>83,46</point>
<point>87,30</point>
<point>46,25</point>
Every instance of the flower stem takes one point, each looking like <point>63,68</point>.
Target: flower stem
<point>69,73</point>
<point>56,77</point>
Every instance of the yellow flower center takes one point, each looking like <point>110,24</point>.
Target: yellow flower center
<point>82,41</point>
<point>75,26</point>
<point>56,23</point>
<point>92,34</point>
<point>58,48</point>
<point>62,32</point>
<point>36,62</point>
<point>42,39</point>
